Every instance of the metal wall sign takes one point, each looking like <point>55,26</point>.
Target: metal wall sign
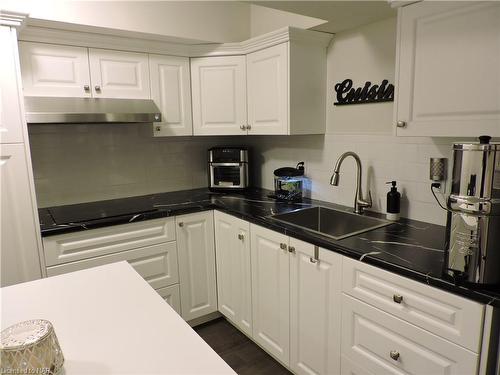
<point>369,93</point>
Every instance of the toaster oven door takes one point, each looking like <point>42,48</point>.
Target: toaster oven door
<point>228,175</point>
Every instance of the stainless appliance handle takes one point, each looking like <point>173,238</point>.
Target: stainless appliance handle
<point>225,164</point>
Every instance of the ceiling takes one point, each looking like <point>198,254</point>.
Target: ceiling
<point>340,15</point>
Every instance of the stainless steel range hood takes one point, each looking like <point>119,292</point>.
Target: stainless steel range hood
<point>48,110</point>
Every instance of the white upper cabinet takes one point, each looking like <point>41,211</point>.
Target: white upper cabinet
<point>219,95</point>
<point>232,238</point>
<point>118,74</point>
<point>19,256</point>
<point>54,70</point>
<point>448,76</point>
<point>171,91</point>
<point>267,72</point>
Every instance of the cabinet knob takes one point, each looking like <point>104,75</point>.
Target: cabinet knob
<point>98,88</point>
<point>158,128</point>
<point>243,127</point>
<point>241,236</point>
<point>291,249</point>
<point>394,354</point>
<point>181,224</point>
<point>283,246</point>
<point>401,124</point>
<point>86,88</point>
<point>249,127</point>
<point>397,298</point>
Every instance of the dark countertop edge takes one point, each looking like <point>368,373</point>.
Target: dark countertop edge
<point>480,296</point>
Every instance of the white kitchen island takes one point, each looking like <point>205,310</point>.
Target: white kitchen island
<point>110,321</point>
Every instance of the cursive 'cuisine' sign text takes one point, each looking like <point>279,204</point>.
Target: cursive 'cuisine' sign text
<point>346,94</point>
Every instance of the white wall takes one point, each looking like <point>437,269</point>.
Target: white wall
<point>264,20</point>
<point>366,53</point>
<point>212,21</point>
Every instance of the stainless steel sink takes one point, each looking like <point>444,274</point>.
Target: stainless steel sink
<point>329,222</point>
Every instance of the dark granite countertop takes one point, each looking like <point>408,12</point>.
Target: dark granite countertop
<point>410,248</point>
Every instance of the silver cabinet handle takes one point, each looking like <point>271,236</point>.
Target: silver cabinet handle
<point>291,249</point>
<point>243,127</point>
<point>397,298</point>
<point>316,255</point>
<point>283,246</point>
<point>181,224</point>
<point>86,88</point>
<point>98,88</point>
<point>249,127</point>
<point>241,236</point>
<point>394,354</point>
<point>401,124</point>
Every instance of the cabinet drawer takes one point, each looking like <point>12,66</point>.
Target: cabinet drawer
<point>447,315</point>
<point>96,242</point>
<point>348,367</point>
<point>171,294</point>
<point>386,345</point>
<point>157,264</point>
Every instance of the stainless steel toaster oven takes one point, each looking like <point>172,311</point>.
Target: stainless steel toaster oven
<point>227,168</point>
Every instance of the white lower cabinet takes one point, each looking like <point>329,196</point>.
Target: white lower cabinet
<point>171,294</point>
<point>315,308</point>
<point>271,292</point>
<point>234,290</point>
<point>348,367</point>
<point>385,344</point>
<point>195,243</point>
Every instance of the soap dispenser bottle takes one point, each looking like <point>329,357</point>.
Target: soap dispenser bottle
<point>393,202</point>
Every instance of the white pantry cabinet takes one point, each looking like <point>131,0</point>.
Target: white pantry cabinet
<point>54,70</point>
<point>448,69</point>
<point>219,95</point>
<point>171,91</point>
<point>195,242</point>
<point>315,308</point>
<point>20,260</point>
<point>11,116</point>
<point>271,291</point>
<point>234,289</point>
<point>118,74</point>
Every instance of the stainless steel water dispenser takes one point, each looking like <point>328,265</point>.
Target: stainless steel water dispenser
<point>473,226</point>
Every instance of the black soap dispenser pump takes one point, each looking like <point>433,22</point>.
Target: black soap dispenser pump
<point>393,202</point>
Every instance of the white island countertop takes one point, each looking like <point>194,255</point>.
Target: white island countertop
<point>110,321</point>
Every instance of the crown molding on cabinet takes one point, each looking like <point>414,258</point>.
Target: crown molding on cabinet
<point>13,19</point>
<point>94,40</point>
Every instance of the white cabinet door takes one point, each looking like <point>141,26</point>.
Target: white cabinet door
<point>196,251</point>
<point>54,70</point>
<point>315,307</point>
<point>11,118</point>
<point>171,295</point>
<point>219,95</point>
<point>20,260</point>
<point>267,72</point>
<point>118,74</point>
<point>234,290</point>
<point>171,91</point>
<point>271,292</point>
<point>449,69</point>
